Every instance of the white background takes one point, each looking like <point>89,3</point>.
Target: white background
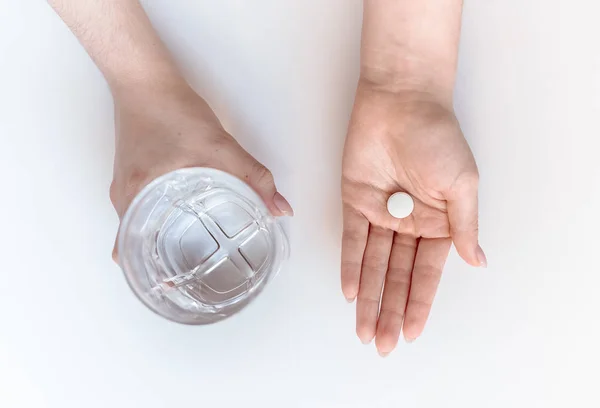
<point>281,75</point>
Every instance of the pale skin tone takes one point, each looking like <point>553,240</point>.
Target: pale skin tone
<point>403,136</point>
<point>161,124</point>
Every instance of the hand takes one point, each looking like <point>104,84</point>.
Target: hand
<point>161,123</point>
<point>160,130</point>
<point>403,142</point>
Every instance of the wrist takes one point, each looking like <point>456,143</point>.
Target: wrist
<point>408,76</point>
<point>168,96</point>
<point>148,74</point>
<point>404,88</point>
<point>411,46</point>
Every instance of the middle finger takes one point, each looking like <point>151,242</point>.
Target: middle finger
<point>395,292</point>
<point>374,268</point>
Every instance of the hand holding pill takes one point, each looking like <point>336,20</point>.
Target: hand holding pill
<point>409,191</point>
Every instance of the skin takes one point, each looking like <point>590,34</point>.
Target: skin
<point>404,136</point>
<point>161,124</point>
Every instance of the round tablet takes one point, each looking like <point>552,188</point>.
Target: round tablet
<point>400,205</point>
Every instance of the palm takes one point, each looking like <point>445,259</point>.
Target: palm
<point>398,146</point>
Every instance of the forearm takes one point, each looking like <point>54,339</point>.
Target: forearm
<point>411,45</point>
<point>120,39</point>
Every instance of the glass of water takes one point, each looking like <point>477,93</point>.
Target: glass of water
<point>197,245</point>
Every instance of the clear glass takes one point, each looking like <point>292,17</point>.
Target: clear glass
<point>197,245</point>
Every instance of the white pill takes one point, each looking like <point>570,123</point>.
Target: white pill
<point>400,205</point>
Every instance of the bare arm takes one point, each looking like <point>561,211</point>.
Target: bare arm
<point>120,39</point>
<point>404,137</point>
<point>161,124</point>
<point>411,45</point>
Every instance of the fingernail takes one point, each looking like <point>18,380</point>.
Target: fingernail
<point>115,254</point>
<point>383,353</point>
<point>409,340</point>
<point>350,300</point>
<point>282,204</point>
<point>365,339</point>
<point>481,257</point>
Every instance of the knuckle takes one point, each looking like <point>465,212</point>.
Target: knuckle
<point>351,237</point>
<point>467,181</point>
<point>422,306</point>
<point>393,316</point>
<point>474,178</point>
<point>469,228</point>
<point>404,243</point>
<point>137,178</point>
<point>474,225</point>
<point>471,178</point>
<point>123,189</point>
<point>113,193</point>
<point>428,275</point>
<point>369,300</point>
<point>350,265</point>
<point>221,140</point>
<point>262,175</point>
<point>375,263</point>
<point>399,276</point>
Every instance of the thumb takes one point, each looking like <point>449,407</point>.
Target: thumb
<point>261,180</point>
<point>464,220</point>
<point>246,168</point>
